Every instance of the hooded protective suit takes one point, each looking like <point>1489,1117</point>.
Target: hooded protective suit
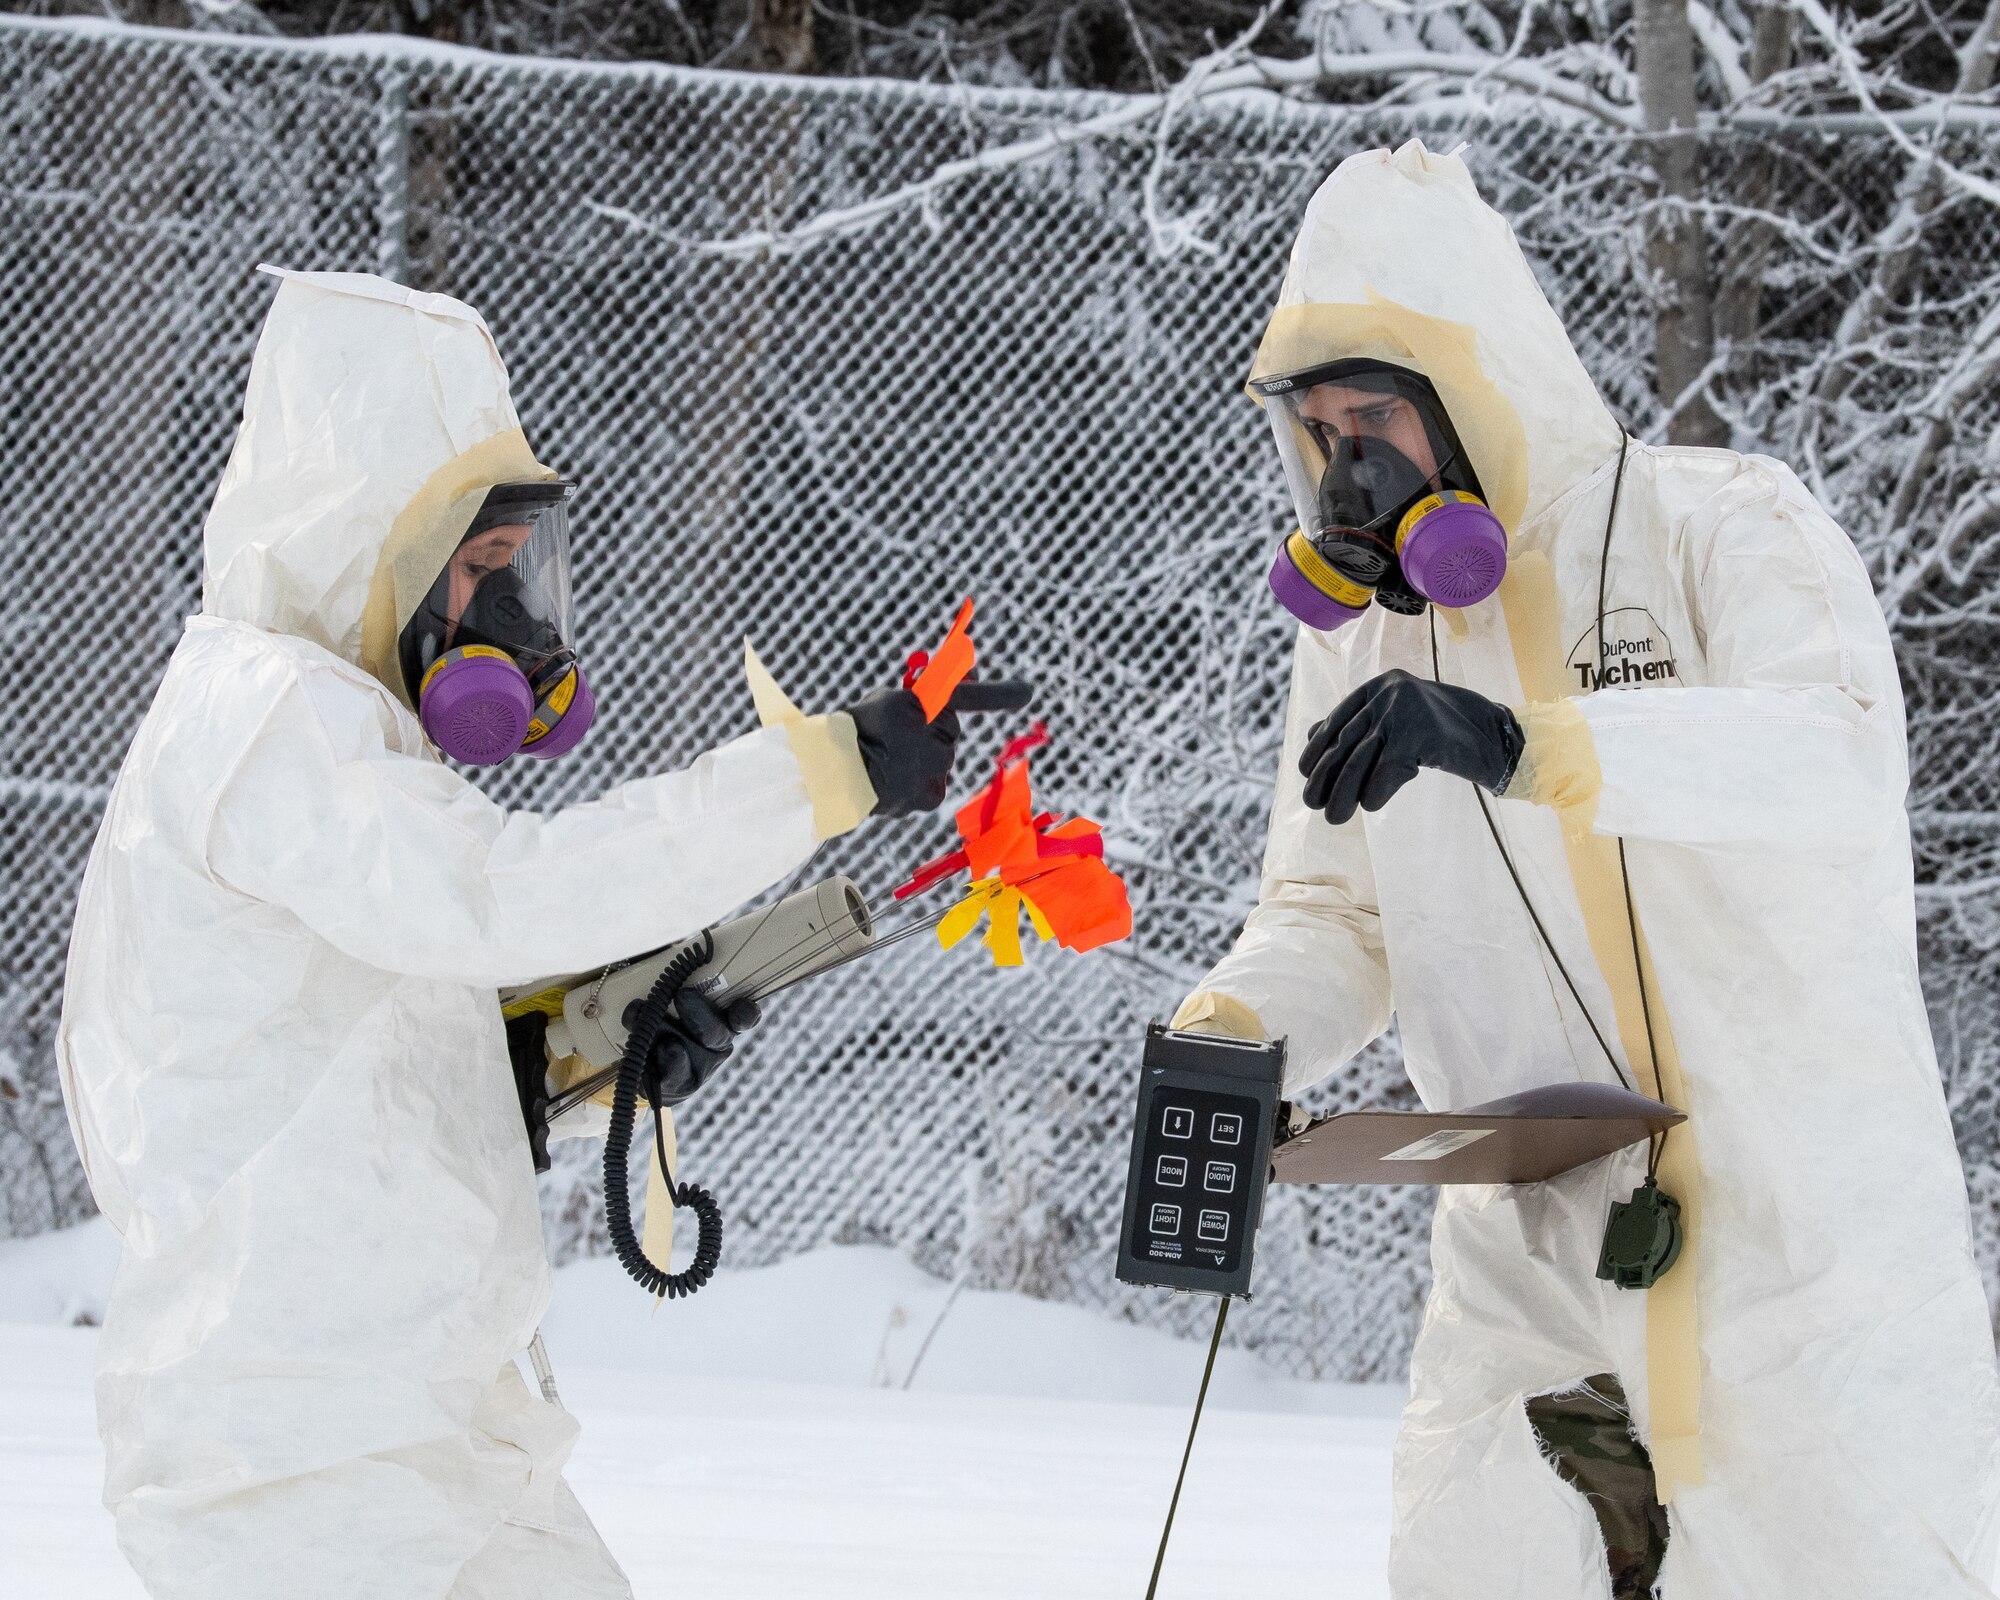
<point>1815,1379</point>
<point>281,1045</point>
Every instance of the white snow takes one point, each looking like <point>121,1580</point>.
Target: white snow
<point>58,1278</point>
<point>857,1317</point>
<point>758,1441</point>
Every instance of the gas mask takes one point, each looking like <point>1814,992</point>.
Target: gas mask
<point>1389,508</point>
<point>486,656</point>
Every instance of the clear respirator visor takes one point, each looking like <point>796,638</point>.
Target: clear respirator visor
<point>506,587</point>
<point>1359,441</point>
<point>487,655</point>
<point>1388,507</point>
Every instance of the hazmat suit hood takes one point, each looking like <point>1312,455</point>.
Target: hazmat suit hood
<point>375,420</point>
<point>1399,260</point>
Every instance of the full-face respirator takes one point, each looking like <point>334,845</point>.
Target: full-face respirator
<point>1389,508</point>
<point>486,655</point>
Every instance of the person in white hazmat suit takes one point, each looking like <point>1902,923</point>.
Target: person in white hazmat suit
<point>1809,1390</point>
<point>282,1046</point>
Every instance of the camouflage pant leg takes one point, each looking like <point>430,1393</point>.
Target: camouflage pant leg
<point>1586,1434</point>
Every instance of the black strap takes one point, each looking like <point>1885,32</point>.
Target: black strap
<point>1166,1533</point>
<point>527,1051</point>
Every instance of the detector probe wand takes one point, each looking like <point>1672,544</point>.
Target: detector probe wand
<point>823,949</point>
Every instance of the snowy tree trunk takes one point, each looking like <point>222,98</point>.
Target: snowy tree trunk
<point>1740,301</point>
<point>1676,246</point>
<point>776,36</point>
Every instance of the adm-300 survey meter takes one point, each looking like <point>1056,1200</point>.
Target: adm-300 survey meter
<point>1201,1156</point>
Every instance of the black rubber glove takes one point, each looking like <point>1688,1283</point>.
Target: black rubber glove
<point>908,759</point>
<point>1385,730</point>
<point>696,1040</point>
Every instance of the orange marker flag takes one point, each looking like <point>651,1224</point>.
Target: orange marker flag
<point>1019,861</point>
<point>998,823</point>
<point>1082,901</point>
<point>937,676</point>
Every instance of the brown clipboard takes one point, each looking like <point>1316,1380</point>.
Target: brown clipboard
<point>1524,1138</point>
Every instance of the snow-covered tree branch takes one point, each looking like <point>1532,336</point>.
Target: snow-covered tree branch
<point>1673,76</point>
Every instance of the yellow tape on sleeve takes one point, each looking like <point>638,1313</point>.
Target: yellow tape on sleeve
<point>1558,766</point>
<point>826,749</point>
<point>1224,1014</point>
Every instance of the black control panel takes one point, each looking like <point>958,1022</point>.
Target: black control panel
<point>1201,1155</point>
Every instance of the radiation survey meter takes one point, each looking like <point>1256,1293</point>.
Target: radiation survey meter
<point>1201,1157</point>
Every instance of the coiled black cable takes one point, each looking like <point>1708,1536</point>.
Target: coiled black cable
<point>632,1072</point>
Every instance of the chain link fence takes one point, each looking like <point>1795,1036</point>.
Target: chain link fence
<point>1013,392</point>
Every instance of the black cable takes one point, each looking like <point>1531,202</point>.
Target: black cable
<point>1166,1533</point>
<point>1604,554</point>
<point>1548,944</point>
<point>1658,1146</point>
<point>707,1215</point>
<point>633,1069</point>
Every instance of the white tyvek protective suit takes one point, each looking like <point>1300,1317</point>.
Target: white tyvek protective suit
<point>281,1044</point>
<point>1838,1436</point>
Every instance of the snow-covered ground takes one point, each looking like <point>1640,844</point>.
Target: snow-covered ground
<point>759,1441</point>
